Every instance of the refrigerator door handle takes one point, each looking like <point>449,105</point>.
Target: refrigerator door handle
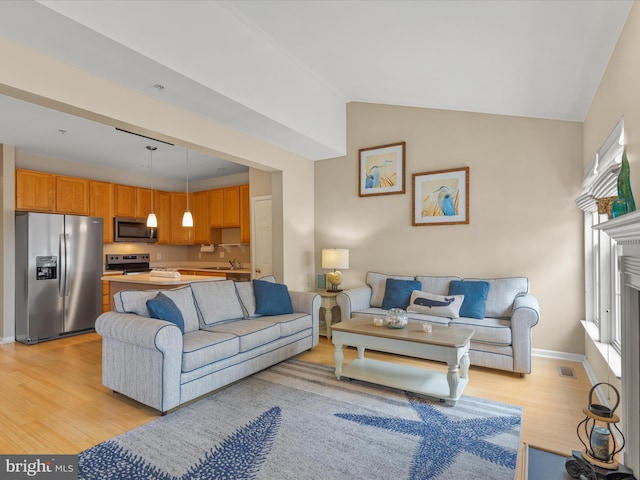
<point>63,283</point>
<point>61,265</point>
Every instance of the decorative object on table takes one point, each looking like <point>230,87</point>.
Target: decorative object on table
<point>335,258</point>
<point>602,441</point>
<point>624,184</point>
<point>381,170</point>
<point>396,318</point>
<point>322,281</point>
<point>605,206</point>
<point>273,424</point>
<point>441,197</point>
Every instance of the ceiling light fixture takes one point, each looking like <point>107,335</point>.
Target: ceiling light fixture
<point>152,220</point>
<point>187,218</point>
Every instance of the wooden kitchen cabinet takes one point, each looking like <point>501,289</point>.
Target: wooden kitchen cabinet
<point>200,211</point>
<point>72,195</point>
<point>125,201</point>
<point>162,207</point>
<point>231,207</point>
<point>215,207</point>
<point>143,202</point>
<point>245,214</point>
<point>35,191</point>
<point>101,205</point>
<point>179,234</point>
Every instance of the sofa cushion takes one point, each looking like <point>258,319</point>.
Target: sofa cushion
<point>502,292</point>
<point>378,283</point>
<point>292,323</point>
<point>397,293</point>
<point>251,333</point>
<point>163,308</point>
<point>217,301</point>
<point>435,285</point>
<point>271,298</point>
<point>493,331</point>
<point>135,301</point>
<point>438,305</point>
<point>202,348</point>
<point>475,296</point>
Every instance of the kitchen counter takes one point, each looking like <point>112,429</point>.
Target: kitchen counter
<point>144,281</point>
<point>149,280</point>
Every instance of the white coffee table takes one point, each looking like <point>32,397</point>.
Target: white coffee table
<point>445,344</point>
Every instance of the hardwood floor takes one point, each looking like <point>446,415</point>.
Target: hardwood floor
<point>52,399</point>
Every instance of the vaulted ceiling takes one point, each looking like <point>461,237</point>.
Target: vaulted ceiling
<point>283,71</point>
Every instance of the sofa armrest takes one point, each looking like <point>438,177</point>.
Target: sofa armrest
<point>140,331</point>
<point>353,300</point>
<point>308,302</point>
<point>525,315</point>
<point>141,358</point>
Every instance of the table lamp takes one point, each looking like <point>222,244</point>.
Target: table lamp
<point>334,258</point>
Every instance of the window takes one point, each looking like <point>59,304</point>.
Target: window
<point>602,277</point>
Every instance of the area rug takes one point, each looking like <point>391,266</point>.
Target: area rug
<point>296,421</point>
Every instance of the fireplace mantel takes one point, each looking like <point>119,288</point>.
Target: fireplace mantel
<point>625,230</point>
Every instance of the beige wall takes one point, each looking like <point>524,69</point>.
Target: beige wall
<point>524,176</point>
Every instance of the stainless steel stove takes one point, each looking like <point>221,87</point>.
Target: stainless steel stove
<point>129,264</point>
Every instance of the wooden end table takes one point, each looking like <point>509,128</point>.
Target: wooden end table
<point>446,344</point>
<point>329,304</point>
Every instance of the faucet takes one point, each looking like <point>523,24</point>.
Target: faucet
<point>233,263</point>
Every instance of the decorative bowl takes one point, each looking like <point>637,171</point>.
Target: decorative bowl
<point>396,318</point>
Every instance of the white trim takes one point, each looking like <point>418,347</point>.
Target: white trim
<point>4,340</point>
<point>570,357</point>
<point>609,354</point>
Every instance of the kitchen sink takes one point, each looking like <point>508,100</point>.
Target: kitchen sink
<point>216,268</point>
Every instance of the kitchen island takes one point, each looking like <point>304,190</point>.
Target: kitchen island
<point>144,281</point>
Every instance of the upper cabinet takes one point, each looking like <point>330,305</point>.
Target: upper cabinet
<point>101,205</point>
<point>35,191</point>
<point>231,207</point>
<point>216,209</point>
<point>125,201</point>
<point>72,195</point>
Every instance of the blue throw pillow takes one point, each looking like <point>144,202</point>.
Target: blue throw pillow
<point>475,296</point>
<point>162,307</point>
<point>397,293</point>
<point>271,298</point>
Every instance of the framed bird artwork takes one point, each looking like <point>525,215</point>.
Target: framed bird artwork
<point>381,170</point>
<point>441,197</point>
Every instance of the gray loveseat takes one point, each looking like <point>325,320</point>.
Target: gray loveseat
<point>501,339</point>
<point>224,340</point>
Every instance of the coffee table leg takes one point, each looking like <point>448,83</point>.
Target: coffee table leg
<point>464,365</point>
<point>338,357</point>
<point>360,352</point>
<point>453,379</point>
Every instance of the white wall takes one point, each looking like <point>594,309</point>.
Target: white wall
<point>524,176</point>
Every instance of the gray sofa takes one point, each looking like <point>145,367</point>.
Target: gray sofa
<point>224,340</point>
<point>501,340</point>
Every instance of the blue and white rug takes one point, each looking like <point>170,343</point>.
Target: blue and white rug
<point>296,421</point>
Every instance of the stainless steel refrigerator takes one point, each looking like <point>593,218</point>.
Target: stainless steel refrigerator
<point>58,270</point>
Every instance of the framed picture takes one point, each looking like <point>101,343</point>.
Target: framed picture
<point>381,170</point>
<point>441,197</point>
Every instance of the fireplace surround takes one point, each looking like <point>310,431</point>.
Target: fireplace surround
<point>625,230</point>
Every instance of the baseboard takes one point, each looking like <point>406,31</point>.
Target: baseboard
<point>570,357</point>
<point>7,340</point>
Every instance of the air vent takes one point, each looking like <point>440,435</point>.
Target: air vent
<point>566,371</point>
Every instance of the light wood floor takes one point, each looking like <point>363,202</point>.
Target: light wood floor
<point>52,399</point>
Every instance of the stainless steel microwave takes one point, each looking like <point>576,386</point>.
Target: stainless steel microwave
<point>133,230</point>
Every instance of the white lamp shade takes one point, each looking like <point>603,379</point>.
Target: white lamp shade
<point>187,219</point>
<point>152,220</point>
<point>335,258</point>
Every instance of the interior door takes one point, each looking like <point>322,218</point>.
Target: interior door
<point>262,240</point>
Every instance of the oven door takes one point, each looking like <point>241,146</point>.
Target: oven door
<point>133,230</point>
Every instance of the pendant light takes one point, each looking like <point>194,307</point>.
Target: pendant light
<point>187,218</point>
<point>152,220</point>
